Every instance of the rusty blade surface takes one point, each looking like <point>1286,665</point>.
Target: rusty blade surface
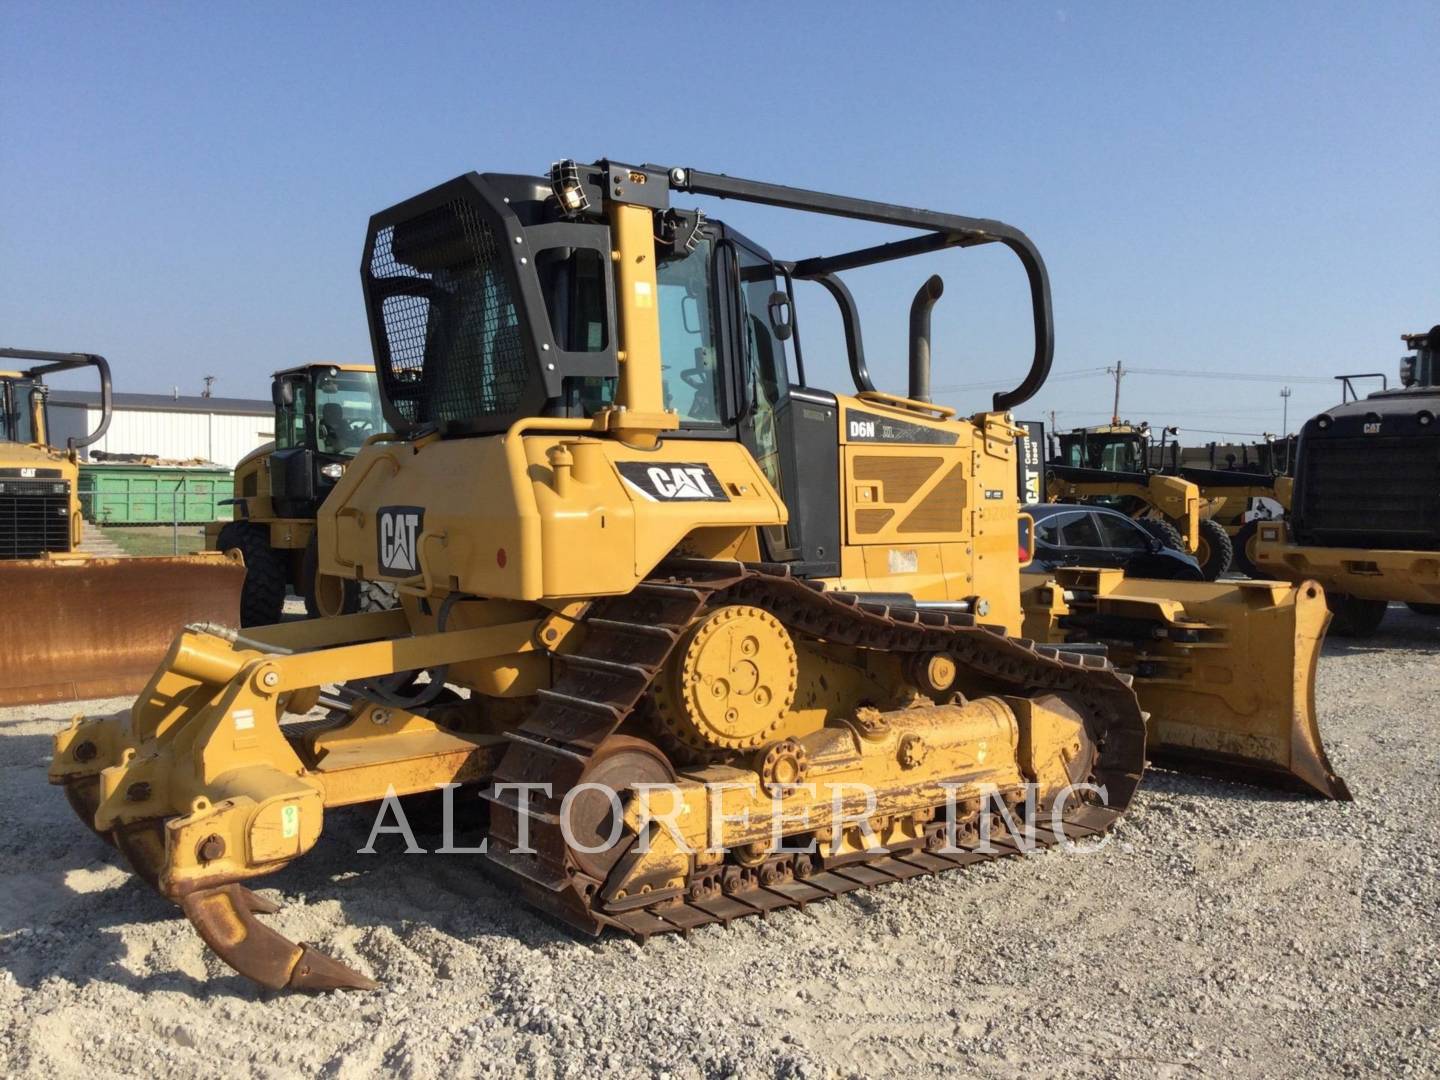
<point>90,628</point>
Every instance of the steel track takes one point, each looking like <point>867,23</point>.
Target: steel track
<point>628,640</point>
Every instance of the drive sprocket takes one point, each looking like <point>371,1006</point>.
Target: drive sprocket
<point>731,683</point>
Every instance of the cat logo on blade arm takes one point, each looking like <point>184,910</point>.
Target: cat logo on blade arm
<point>673,481</point>
<point>398,529</point>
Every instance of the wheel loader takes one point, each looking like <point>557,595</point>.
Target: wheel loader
<point>1109,465</point>
<point>1365,519</point>
<point>74,626</point>
<point>730,643</point>
<point>323,414</point>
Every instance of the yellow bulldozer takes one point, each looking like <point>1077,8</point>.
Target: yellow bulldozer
<point>74,626</point>
<point>323,415</point>
<point>728,642</point>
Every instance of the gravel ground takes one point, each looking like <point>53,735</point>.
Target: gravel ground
<point>1225,929</point>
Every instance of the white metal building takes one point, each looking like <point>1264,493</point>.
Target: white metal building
<point>222,430</point>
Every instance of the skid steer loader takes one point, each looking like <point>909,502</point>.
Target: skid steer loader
<point>323,414</point>
<point>782,622</point>
<point>74,626</point>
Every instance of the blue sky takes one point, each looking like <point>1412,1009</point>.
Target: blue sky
<point>1234,189</point>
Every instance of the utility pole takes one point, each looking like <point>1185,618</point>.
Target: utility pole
<point>1119,372</point>
<point>1284,411</point>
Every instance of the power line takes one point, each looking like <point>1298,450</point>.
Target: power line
<point>1249,376</point>
<point>1178,373</point>
<point>990,384</point>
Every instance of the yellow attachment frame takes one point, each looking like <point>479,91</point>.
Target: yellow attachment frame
<point>203,753</point>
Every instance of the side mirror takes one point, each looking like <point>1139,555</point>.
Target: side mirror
<point>282,393</point>
<point>781,315</point>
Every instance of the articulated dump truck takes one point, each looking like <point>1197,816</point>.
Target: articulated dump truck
<point>75,626</point>
<point>664,565</point>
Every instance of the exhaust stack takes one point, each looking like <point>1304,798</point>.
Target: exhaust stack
<point>920,309</point>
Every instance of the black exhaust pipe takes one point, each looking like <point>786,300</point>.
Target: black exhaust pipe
<point>920,309</point>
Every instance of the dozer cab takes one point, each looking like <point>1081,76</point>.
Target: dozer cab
<point>1365,518</point>
<point>732,642</point>
<point>1110,466</point>
<point>74,626</point>
<point>323,415</point>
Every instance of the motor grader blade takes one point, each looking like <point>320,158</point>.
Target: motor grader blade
<point>1226,670</point>
<point>78,628</point>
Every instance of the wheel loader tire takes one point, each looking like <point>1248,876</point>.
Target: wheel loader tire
<point>353,596</point>
<point>1215,552</point>
<point>1424,609</point>
<point>1243,543</point>
<point>1163,531</point>
<point>263,599</point>
<point>1353,616</point>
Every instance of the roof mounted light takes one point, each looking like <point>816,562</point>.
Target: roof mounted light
<point>567,187</point>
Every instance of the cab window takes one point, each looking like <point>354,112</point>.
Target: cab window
<point>1118,456</point>
<point>347,411</point>
<point>17,411</point>
<point>688,358</point>
<point>292,418</point>
<point>764,369</point>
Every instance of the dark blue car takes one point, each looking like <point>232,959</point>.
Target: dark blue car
<point>1070,535</point>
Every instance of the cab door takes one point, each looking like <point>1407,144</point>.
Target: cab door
<point>792,431</point>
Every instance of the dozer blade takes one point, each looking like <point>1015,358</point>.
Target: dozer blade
<point>1226,670</point>
<point>72,629</point>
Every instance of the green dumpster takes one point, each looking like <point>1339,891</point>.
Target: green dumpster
<point>126,494</point>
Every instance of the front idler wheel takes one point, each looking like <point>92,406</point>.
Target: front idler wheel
<point>619,763</point>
